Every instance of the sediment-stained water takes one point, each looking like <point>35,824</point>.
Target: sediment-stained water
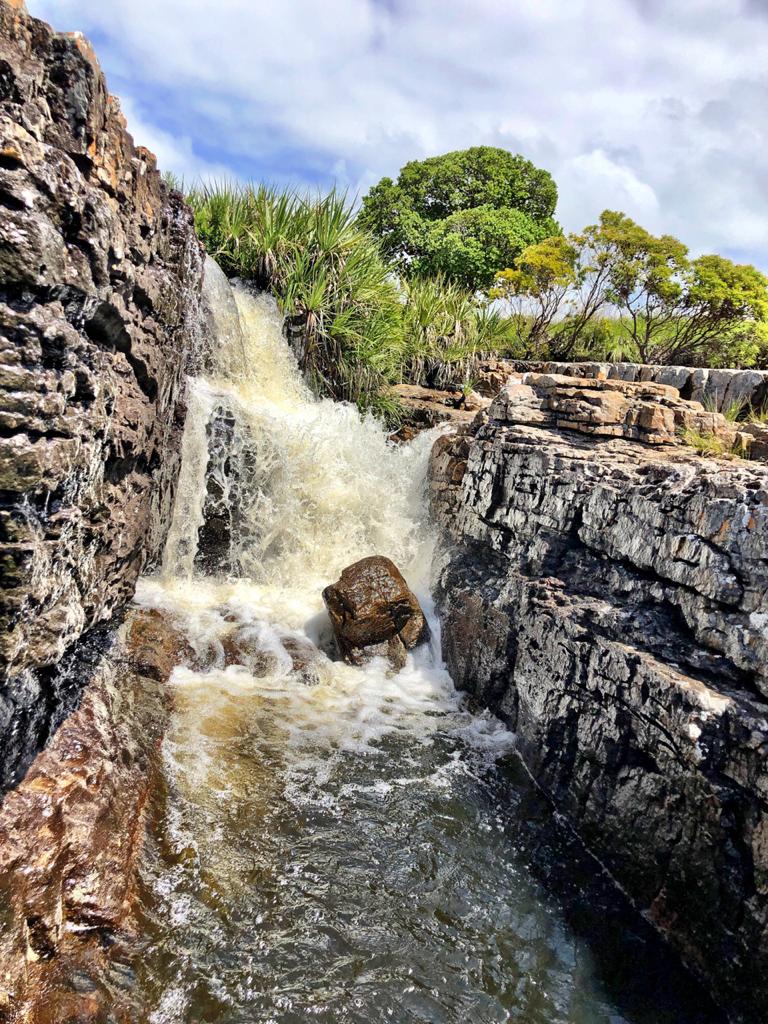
<point>333,843</point>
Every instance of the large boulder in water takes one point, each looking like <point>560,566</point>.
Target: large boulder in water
<point>374,612</point>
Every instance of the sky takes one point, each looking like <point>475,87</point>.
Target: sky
<point>658,108</point>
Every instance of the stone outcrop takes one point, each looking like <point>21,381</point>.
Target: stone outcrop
<point>101,275</point>
<point>427,407</point>
<point>374,613</point>
<point>72,834</point>
<point>604,588</point>
<point>717,389</point>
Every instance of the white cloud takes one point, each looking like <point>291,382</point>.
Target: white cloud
<point>654,107</point>
<point>174,152</point>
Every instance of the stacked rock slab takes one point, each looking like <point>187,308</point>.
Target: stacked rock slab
<point>604,588</point>
<point>718,389</point>
<point>100,275</point>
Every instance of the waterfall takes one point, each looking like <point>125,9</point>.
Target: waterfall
<point>278,492</point>
<point>329,842</point>
<point>306,486</point>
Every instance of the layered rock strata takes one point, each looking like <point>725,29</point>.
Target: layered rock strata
<point>604,588</point>
<point>718,389</point>
<point>101,275</point>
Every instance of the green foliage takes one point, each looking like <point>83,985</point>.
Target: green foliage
<point>657,304</point>
<point>469,246</point>
<point>676,309</point>
<point>536,288</point>
<point>463,215</point>
<point>709,444</point>
<point>327,275</point>
<point>742,345</point>
<point>443,321</point>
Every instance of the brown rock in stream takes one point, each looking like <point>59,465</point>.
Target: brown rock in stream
<point>374,613</point>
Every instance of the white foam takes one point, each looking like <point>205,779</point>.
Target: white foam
<point>310,486</point>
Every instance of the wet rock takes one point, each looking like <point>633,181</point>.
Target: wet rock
<point>404,434</point>
<point>72,834</point>
<point>604,589</point>
<point>263,652</point>
<point>374,613</point>
<point>101,274</point>
<point>308,662</point>
<point>155,646</point>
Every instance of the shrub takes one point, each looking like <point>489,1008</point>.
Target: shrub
<point>443,322</point>
<point>327,275</point>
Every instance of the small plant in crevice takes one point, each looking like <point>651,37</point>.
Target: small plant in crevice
<point>710,444</point>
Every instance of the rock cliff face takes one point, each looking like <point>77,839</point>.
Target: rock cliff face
<point>100,277</point>
<point>72,833</point>
<point>605,589</point>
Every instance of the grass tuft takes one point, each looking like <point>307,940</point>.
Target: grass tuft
<point>709,444</point>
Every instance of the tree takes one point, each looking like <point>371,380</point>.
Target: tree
<point>537,287</point>
<point>667,307</point>
<point>469,246</point>
<point>465,214</point>
<point>675,309</point>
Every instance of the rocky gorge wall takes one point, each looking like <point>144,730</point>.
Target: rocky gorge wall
<point>100,276</point>
<point>604,589</point>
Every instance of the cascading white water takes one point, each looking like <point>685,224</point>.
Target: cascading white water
<point>328,843</point>
<point>308,486</point>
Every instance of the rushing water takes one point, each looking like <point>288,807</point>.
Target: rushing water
<point>333,843</point>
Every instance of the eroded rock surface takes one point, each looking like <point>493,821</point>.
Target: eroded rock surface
<point>72,834</point>
<point>374,613</point>
<point>100,276</point>
<point>605,589</point>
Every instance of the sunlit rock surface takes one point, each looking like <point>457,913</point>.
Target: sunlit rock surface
<point>374,612</point>
<point>718,389</point>
<point>72,833</point>
<point>603,588</point>
<point>101,274</point>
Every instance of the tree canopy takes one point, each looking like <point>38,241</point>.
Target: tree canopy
<point>667,306</point>
<point>464,215</point>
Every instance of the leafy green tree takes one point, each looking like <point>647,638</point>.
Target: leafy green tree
<point>673,308</point>
<point>464,215</point>
<point>536,288</point>
<point>469,246</point>
<point>658,304</point>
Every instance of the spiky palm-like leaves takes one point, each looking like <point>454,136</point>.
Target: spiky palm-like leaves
<point>326,273</point>
<point>444,323</point>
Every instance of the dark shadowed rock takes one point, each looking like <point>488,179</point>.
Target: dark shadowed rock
<point>373,612</point>
<point>100,276</point>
